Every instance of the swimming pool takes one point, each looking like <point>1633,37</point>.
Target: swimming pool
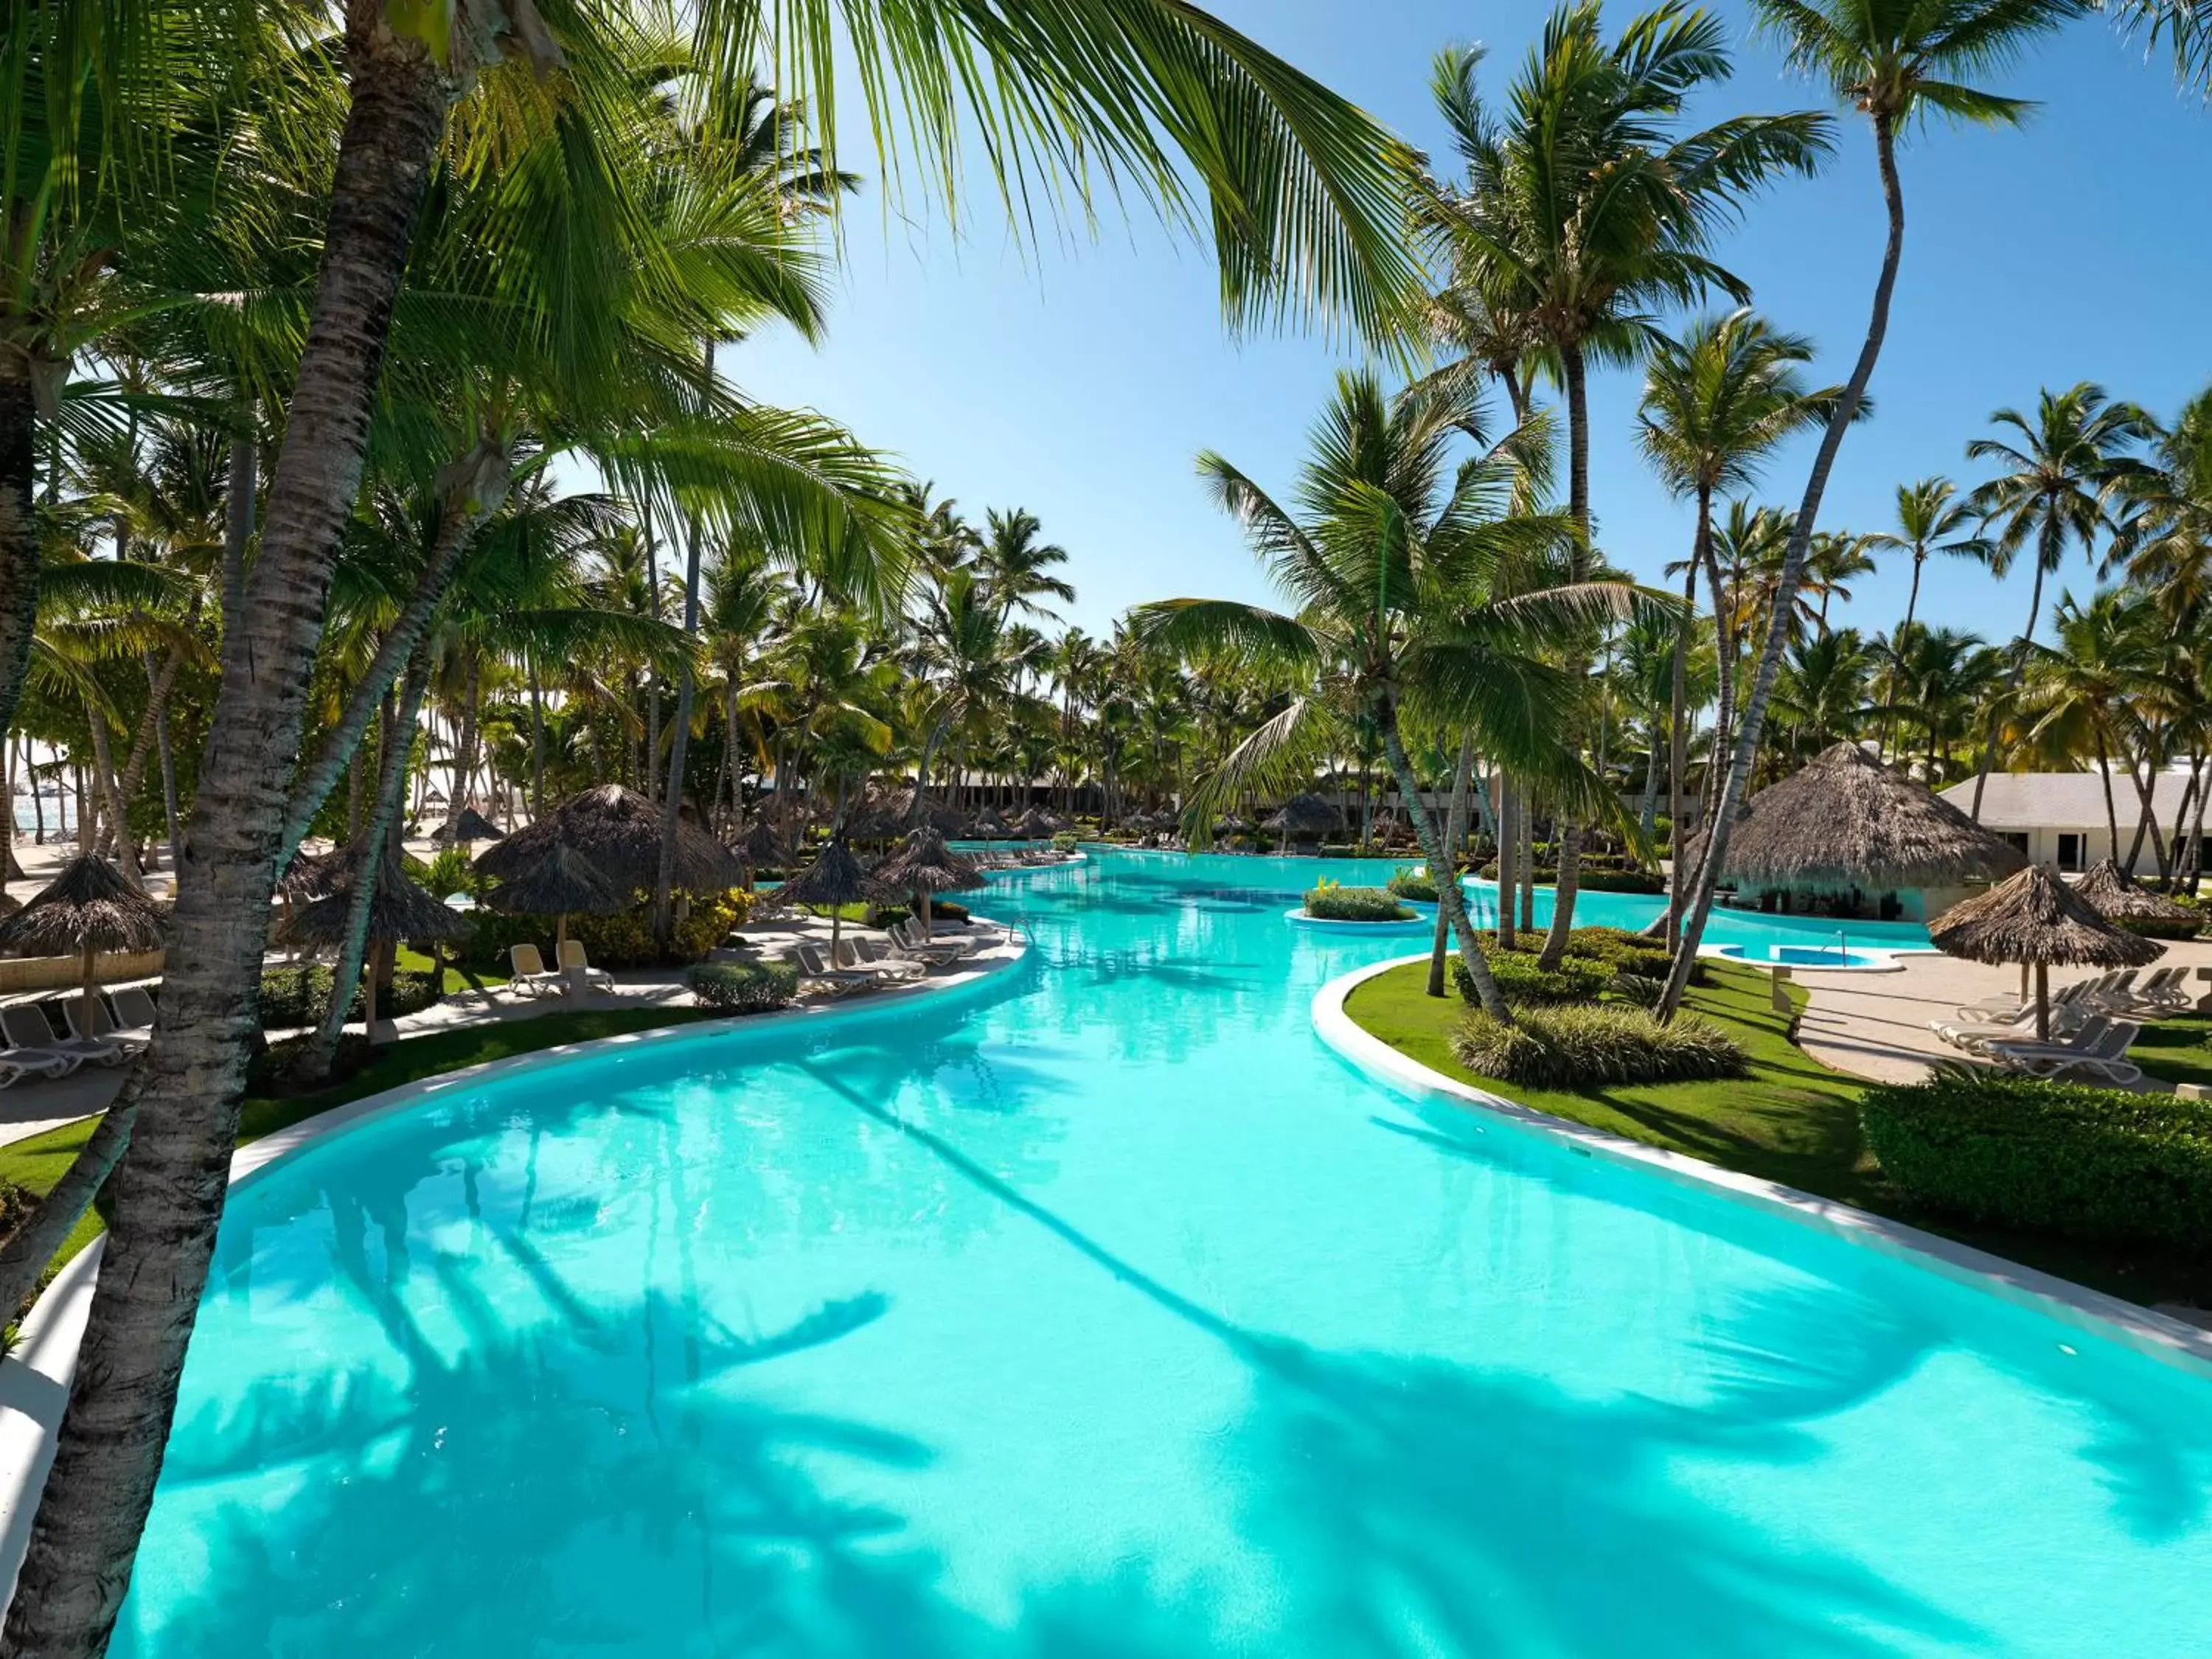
<point>1108,1314</point>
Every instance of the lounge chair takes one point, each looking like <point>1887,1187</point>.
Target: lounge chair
<point>1999,1010</point>
<point>103,1025</point>
<point>134,1010</point>
<point>862,952</point>
<point>528,974</point>
<point>2162,993</point>
<point>2100,1051</point>
<point>29,1032</point>
<point>907,940</point>
<point>812,970</point>
<point>2068,1009</point>
<point>19,1063</point>
<point>575,961</point>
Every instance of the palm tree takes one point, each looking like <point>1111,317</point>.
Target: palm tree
<point>1016,568</point>
<point>1899,63</point>
<point>1715,404</point>
<point>1396,563</point>
<point>1583,209</point>
<point>1835,557</point>
<point>2078,696</point>
<point>2164,538</point>
<point>1821,696</point>
<point>1930,518</point>
<point>2064,464</point>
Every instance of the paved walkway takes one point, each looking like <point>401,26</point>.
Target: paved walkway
<point>1875,1025</point>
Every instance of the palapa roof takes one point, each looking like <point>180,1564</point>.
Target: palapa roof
<point>619,833</point>
<point>398,909</point>
<point>2035,917</point>
<point>468,825</point>
<point>91,905</point>
<point>1845,820</point>
<point>559,881</point>
<point>2114,893</point>
<point>836,876</point>
<point>1301,815</point>
<point>988,821</point>
<point>927,865</point>
<point>311,875</point>
<point>759,845</point>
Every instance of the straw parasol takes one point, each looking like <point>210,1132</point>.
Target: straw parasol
<point>91,906</point>
<point>559,882</point>
<point>926,866</point>
<point>1302,818</point>
<point>835,878</point>
<point>398,909</point>
<point>759,845</point>
<point>2116,897</point>
<point>619,833</point>
<point>2036,920</point>
<point>988,824</point>
<point>1845,820</point>
<point>466,825</point>
<point>1233,825</point>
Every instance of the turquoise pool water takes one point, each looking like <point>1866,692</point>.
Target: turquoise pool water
<point>1106,1313</point>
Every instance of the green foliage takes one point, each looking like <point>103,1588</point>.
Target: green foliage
<point>623,940</point>
<point>1332,903</point>
<point>1065,842</point>
<point>301,995</point>
<point>1523,984</point>
<point>1411,884</point>
<point>743,988</point>
<point>2157,928</point>
<point>2100,1164</point>
<point>1582,1046</point>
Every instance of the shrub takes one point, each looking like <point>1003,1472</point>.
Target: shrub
<point>1576,1047</point>
<point>1355,904</point>
<point>1064,842</point>
<point>1522,983</point>
<point>623,940</point>
<point>945,910</point>
<point>1411,884</point>
<point>2093,1163</point>
<point>301,995</point>
<point>1630,955</point>
<point>1339,849</point>
<point>1621,881</point>
<point>2156,927</point>
<point>743,988</point>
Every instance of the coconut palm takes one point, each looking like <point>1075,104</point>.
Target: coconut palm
<point>1931,519</point>
<point>1016,568</point>
<point>1396,561</point>
<point>1901,64</point>
<point>2064,465</point>
<point>2163,539</point>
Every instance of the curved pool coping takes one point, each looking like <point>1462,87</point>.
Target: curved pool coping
<point>35,1375</point>
<point>1886,957</point>
<point>1297,916</point>
<point>2093,1312</point>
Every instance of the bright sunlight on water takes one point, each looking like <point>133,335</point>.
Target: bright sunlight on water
<point>1106,1313</point>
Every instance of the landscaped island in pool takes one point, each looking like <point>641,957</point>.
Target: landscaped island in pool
<point>1108,1314</point>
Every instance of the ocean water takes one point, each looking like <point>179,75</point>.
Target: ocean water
<point>1102,1311</point>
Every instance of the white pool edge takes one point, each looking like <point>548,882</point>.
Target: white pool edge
<point>36,1375</point>
<point>2110,1318</point>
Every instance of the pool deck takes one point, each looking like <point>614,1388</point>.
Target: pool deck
<point>1875,1025</point>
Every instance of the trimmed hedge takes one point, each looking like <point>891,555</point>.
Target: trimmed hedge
<point>743,988</point>
<point>1355,904</point>
<point>1593,1044</point>
<point>622,940</point>
<point>1411,883</point>
<point>2153,927</point>
<point>2102,1164</point>
<point>1522,983</point>
<point>301,995</point>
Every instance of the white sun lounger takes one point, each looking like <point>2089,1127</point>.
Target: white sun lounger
<point>575,961</point>
<point>2102,1051</point>
<point>103,1024</point>
<point>29,1033</point>
<point>527,971</point>
<point>836,980</point>
<point>862,952</point>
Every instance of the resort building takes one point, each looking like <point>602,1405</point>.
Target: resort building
<point>2064,818</point>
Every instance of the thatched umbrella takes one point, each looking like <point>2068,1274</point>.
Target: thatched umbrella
<point>2116,897</point>
<point>91,906</point>
<point>559,881</point>
<point>1233,825</point>
<point>835,878</point>
<point>466,825</point>
<point>619,833</point>
<point>1845,820</point>
<point>988,824</point>
<point>398,909</point>
<point>1302,818</point>
<point>759,845</point>
<point>926,866</point>
<point>2035,919</point>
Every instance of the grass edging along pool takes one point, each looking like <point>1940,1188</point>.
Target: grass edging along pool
<point>35,1377</point>
<point>2092,1311</point>
<point>1413,924</point>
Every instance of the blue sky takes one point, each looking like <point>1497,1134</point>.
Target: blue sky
<point>1080,378</point>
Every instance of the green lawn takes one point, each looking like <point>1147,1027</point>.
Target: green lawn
<point>2177,1050</point>
<point>1792,1119</point>
<point>478,979</point>
<point>37,1163</point>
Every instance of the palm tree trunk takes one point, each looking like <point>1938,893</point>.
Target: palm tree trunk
<point>126,847</point>
<point>1524,820</point>
<point>471,489</point>
<point>38,800</point>
<point>1567,836</point>
<point>1454,832</point>
<point>1793,570</point>
<point>2195,841</point>
<point>321,1051</point>
<point>1450,902</point>
<point>537,742</point>
<point>168,1192</point>
<point>238,517</point>
<point>664,901</point>
<point>1897,643</point>
<point>19,528</point>
<point>1509,857</point>
<point>2111,808</point>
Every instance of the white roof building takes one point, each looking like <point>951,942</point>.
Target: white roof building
<point>2060,818</point>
